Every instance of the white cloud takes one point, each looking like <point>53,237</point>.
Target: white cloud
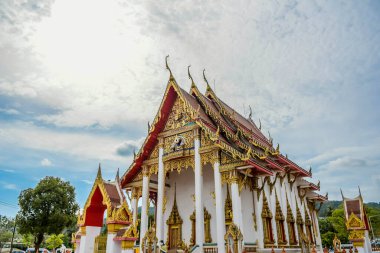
<point>81,145</point>
<point>87,181</point>
<point>8,186</point>
<point>10,111</point>
<point>308,68</point>
<point>46,162</point>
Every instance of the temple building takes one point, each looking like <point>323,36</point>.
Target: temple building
<point>216,182</point>
<point>357,223</point>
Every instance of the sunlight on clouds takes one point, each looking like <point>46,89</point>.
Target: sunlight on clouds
<point>46,162</point>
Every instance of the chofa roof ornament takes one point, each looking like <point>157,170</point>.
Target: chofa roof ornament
<point>167,67</point>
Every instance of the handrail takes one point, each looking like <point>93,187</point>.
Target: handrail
<point>194,247</point>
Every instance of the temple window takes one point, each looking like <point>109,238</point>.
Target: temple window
<point>280,224</point>
<point>267,223</point>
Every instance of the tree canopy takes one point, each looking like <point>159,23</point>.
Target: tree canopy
<point>6,228</point>
<point>54,241</point>
<point>333,222</point>
<point>47,209</point>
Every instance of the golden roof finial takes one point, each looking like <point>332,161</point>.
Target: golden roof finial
<point>278,148</point>
<point>99,174</point>
<point>204,77</point>
<point>190,77</point>
<point>167,67</point>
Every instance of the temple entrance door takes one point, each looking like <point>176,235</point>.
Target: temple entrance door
<point>174,226</point>
<point>174,237</point>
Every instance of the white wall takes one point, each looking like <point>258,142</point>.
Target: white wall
<point>185,190</point>
<point>249,232</point>
<point>208,201</point>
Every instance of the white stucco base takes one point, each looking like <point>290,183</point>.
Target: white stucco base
<point>87,241</point>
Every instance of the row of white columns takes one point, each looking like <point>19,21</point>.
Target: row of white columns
<point>199,211</point>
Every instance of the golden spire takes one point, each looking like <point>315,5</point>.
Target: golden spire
<point>204,77</point>
<point>175,194</point>
<point>99,175</point>
<point>190,77</point>
<point>167,67</point>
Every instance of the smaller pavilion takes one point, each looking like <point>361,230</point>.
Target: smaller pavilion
<point>357,223</point>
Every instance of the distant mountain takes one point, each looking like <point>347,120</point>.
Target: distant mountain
<point>330,206</point>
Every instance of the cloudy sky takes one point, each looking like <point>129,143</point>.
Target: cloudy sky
<point>80,79</point>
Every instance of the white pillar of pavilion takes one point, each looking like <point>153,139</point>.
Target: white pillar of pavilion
<point>236,201</point>
<point>220,219</point>
<point>145,204</point>
<point>199,213</point>
<point>134,203</point>
<point>160,193</point>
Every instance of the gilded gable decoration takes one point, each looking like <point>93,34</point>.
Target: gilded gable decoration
<point>178,116</point>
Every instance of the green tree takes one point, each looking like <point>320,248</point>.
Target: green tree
<point>6,229</point>
<point>338,221</point>
<point>47,209</point>
<point>28,239</point>
<point>54,241</point>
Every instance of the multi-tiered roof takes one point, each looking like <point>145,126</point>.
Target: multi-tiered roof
<point>236,135</point>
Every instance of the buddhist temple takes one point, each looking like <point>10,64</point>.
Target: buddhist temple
<point>216,182</point>
<point>357,223</point>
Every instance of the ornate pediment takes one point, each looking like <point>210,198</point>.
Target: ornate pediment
<point>178,116</point>
<point>121,214</point>
<point>354,222</point>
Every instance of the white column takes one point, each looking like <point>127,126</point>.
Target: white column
<point>87,241</point>
<point>272,204</point>
<point>220,219</point>
<point>127,250</point>
<point>160,195</point>
<point>112,246</point>
<point>318,239</point>
<point>199,213</point>
<point>259,220</point>
<point>134,205</point>
<point>145,205</point>
<point>236,203</point>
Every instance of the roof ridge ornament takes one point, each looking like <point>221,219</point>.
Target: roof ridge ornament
<point>167,67</point>
<point>259,124</point>
<point>250,112</point>
<point>99,174</point>
<point>190,77</point>
<point>204,77</point>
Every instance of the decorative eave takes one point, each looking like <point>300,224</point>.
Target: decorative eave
<point>313,196</point>
<point>309,185</point>
<point>302,172</point>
